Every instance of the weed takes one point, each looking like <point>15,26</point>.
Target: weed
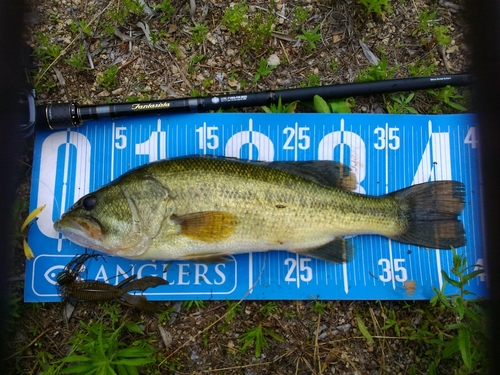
<point>332,106</point>
<point>97,349</point>
<point>280,107</point>
<point>442,36</point>
<point>195,60</point>
<point>166,8</point>
<point>256,336</point>
<point>78,59</point>
<point>134,6</point>
<point>107,28</point>
<point>165,316</point>
<point>80,26</point>
<point>235,17</point>
<point>156,36</point>
<point>378,7</point>
<point>310,36</point>
<point>263,70</point>
<point>334,65</point>
<point>459,346</point>
<point>300,15</point>
<point>199,33</point>
<point>174,47</point>
<point>446,94</point>
<point>312,80</point>
<point>377,72</point>
<point>319,307</point>
<point>109,78</point>
<point>401,104</point>
<point>268,309</point>
<point>194,303</point>
<point>425,20</point>
<point>421,70</point>
<point>233,308</point>
<point>258,31</point>
<point>46,50</point>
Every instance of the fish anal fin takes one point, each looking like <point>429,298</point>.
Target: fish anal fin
<point>338,251</point>
<point>209,226</point>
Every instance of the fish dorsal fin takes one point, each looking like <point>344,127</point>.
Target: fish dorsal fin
<point>208,226</point>
<point>324,172</point>
<point>339,251</point>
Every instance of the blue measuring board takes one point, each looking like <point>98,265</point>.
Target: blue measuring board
<point>386,152</point>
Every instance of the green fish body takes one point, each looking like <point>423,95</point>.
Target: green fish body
<point>203,208</point>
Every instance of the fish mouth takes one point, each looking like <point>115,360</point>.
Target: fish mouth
<point>86,232</point>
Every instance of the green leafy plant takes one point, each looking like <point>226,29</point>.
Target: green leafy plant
<point>450,96</point>
<point>109,78</point>
<point>452,327</point>
<point>166,8</point>
<point>280,107</point>
<point>425,20</point>
<point>310,36</point>
<point>78,60</point>
<point>299,17</point>
<point>268,309</point>
<point>263,70</point>
<point>199,33</point>
<point>333,106</point>
<point>157,35</point>
<point>235,16</point>
<point>466,337</point>
<point>400,104</point>
<point>80,26</point>
<point>256,336</point>
<point>378,7</point>
<point>188,305</point>
<point>258,31</point>
<point>46,50</point>
<point>378,72</point>
<point>97,349</point>
<point>441,33</point>
<point>421,70</point>
<point>319,307</point>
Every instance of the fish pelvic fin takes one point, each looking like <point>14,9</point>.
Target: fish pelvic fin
<point>430,212</point>
<point>209,226</point>
<point>338,251</point>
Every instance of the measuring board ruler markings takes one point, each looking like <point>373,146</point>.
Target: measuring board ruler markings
<point>385,152</point>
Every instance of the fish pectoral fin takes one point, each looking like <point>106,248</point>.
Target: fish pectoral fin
<point>338,251</point>
<point>209,226</point>
<point>207,258</point>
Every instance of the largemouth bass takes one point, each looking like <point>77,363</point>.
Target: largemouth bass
<point>204,208</point>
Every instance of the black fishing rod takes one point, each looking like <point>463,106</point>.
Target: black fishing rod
<point>55,116</point>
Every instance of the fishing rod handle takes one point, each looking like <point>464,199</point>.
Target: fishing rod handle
<point>57,116</point>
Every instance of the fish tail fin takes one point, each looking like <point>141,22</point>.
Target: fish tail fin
<point>430,211</point>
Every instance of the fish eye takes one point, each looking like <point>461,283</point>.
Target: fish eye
<point>89,202</point>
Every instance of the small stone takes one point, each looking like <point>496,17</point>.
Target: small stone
<point>273,60</point>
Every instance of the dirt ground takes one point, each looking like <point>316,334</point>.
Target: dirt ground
<point>317,338</point>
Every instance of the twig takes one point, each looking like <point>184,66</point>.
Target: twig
<point>63,52</point>
<point>27,346</point>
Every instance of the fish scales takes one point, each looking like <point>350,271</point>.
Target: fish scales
<point>198,207</point>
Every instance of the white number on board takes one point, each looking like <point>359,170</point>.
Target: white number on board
<point>303,140</point>
<point>387,138</point>
<point>388,271</point>
<point>304,271</point>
